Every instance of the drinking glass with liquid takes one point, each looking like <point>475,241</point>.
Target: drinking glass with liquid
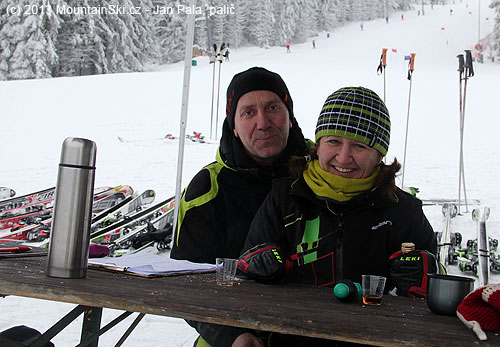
<point>373,289</point>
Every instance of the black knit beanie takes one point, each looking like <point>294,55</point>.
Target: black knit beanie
<point>255,78</point>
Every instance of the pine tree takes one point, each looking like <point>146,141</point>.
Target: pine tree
<point>325,17</point>
<point>495,36</point>
<point>170,32</point>
<point>286,18</point>
<point>305,26</point>
<point>260,23</point>
<point>27,40</point>
<point>234,24</point>
<point>76,42</point>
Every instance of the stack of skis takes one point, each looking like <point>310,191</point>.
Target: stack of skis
<point>479,256</point>
<point>121,219</point>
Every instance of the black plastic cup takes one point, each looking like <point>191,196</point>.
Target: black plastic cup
<point>446,292</point>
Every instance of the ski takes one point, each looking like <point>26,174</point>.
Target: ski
<point>159,230</point>
<point>35,202</point>
<point>449,212</point>
<point>137,217</point>
<point>22,229</point>
<point>100,215</point>
<point>6,193</point>
<point>43,201</point>
<point>430,202</point>
<point>483,252</point>
<point>40,197</point>
<point>468,259</point>
<point>100,193</point>
<point>195,137</point>
<point>123,209</point>
<point>24,226</point>
<point>10,220</point>
<point>39,230</point>
<point>107,202</point>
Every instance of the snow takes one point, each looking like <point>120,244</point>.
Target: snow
<point>141,108</point>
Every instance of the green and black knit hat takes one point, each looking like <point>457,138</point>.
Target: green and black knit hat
<point>356,113</point>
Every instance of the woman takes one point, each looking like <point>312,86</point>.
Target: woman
<point>342,215</point>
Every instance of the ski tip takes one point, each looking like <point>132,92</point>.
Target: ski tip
<point>486,213</point>
<point>6,193</point>
<point>476,214</point>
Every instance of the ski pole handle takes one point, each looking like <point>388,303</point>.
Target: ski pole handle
<point>468,63</point>
<point>384,57</point>
<point>460,63</point>
<point>411,65</point>
<point>412,62</point>
<point>383,61</point>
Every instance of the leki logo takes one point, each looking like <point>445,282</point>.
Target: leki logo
<point>381,224</point>
<point>277,255</point>
<point>409,258</point>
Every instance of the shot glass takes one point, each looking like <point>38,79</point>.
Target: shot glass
<point>226,271</point>
<point>373,289</point>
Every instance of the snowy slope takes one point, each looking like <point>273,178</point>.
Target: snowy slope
<point>37,115</point>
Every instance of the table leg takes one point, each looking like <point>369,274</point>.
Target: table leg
<point>91,324</point>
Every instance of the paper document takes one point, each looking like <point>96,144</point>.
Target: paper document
<point>148,264</point>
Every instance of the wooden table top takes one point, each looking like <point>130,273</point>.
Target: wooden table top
<point>287,308</point>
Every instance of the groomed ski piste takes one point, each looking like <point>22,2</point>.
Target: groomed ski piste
<point>37,115</point>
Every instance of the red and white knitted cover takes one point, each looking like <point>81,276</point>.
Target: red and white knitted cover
<point>480,310</point>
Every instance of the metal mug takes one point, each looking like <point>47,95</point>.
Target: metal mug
<point>446,292</point>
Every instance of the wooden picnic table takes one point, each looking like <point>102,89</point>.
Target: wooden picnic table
<point>287,308</point>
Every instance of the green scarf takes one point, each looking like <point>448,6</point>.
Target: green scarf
<point>328,185</point>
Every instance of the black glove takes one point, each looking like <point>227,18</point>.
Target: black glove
<point>409,271</point>
<point>263,262</point>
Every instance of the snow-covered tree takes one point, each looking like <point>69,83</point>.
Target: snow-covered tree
<point>234,25</point>
<point>170,32</point>
<point>286,14</point>
<point>495,36</point>
<point>77,41</point>
<point>325,17</point>
<point>305,21</point>
<point>260,23</point>
<point>27,39</point>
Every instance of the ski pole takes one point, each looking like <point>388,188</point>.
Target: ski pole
<point>220,53</point>
<point>218,98</point>
<point>382,65</point>
<point>212,61</point>
<point>411,68</point>
<point>188,57</point>
<point>469,72</point>
<point>460,159</point>
<point>212,107</point>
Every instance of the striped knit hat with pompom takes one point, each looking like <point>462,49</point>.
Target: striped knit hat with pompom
<point>356,113</point>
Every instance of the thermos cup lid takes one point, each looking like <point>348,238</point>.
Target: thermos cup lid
<point>78,152</point>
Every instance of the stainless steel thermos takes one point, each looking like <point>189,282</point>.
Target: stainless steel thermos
<point>70,232</point>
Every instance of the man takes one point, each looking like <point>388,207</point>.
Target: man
<point>259,136</point>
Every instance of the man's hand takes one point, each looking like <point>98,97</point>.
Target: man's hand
<point>247,340</point>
